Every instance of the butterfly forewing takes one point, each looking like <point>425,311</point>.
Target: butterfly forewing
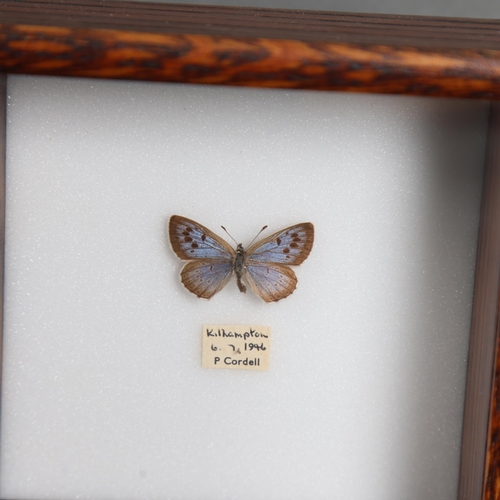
<point>191,241</point>
<point>289,246</point>
<point>271,281</point>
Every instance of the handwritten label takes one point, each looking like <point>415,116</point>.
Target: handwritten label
<point>237,347</point>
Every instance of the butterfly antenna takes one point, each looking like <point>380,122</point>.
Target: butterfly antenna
<point>265,227</point>
<point>229,235</point>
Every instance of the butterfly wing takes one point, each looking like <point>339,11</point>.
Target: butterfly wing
<point>190,240</point>
<point>290,246</point>
<point>212,259</point>
<point>266,264</point>
<point>270,281</point>
<point>206,277</point>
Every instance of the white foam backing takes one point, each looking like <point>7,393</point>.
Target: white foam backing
<point>103,392</point>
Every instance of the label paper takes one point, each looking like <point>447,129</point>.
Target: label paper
<point>238,347</point>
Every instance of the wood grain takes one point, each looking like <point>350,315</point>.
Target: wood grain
<point>484,333</point>
<point>238,22</point>
<point>492,466</point>
<point>252,47</point>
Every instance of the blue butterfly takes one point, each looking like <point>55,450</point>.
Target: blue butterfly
<point>264,266</point>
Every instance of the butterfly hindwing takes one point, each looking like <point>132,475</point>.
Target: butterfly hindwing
<point>206,277</point>
<point>271,281</point>
<point>190,240</point>
<point>290,246</point>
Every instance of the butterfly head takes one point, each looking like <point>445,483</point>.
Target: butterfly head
<point>239,249</point>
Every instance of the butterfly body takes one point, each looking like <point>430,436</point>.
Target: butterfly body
<point>239,267</point>
<point>264,265</point>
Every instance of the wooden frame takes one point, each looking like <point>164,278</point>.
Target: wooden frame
<point>295,49</point>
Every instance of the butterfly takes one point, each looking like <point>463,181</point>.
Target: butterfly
<point>264,266</point>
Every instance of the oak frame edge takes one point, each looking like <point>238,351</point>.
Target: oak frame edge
<point>252,47</point>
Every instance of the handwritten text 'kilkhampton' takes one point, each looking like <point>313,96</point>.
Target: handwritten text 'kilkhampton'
<point>221,332</point>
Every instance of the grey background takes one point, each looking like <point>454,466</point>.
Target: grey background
<point>448,8</point>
